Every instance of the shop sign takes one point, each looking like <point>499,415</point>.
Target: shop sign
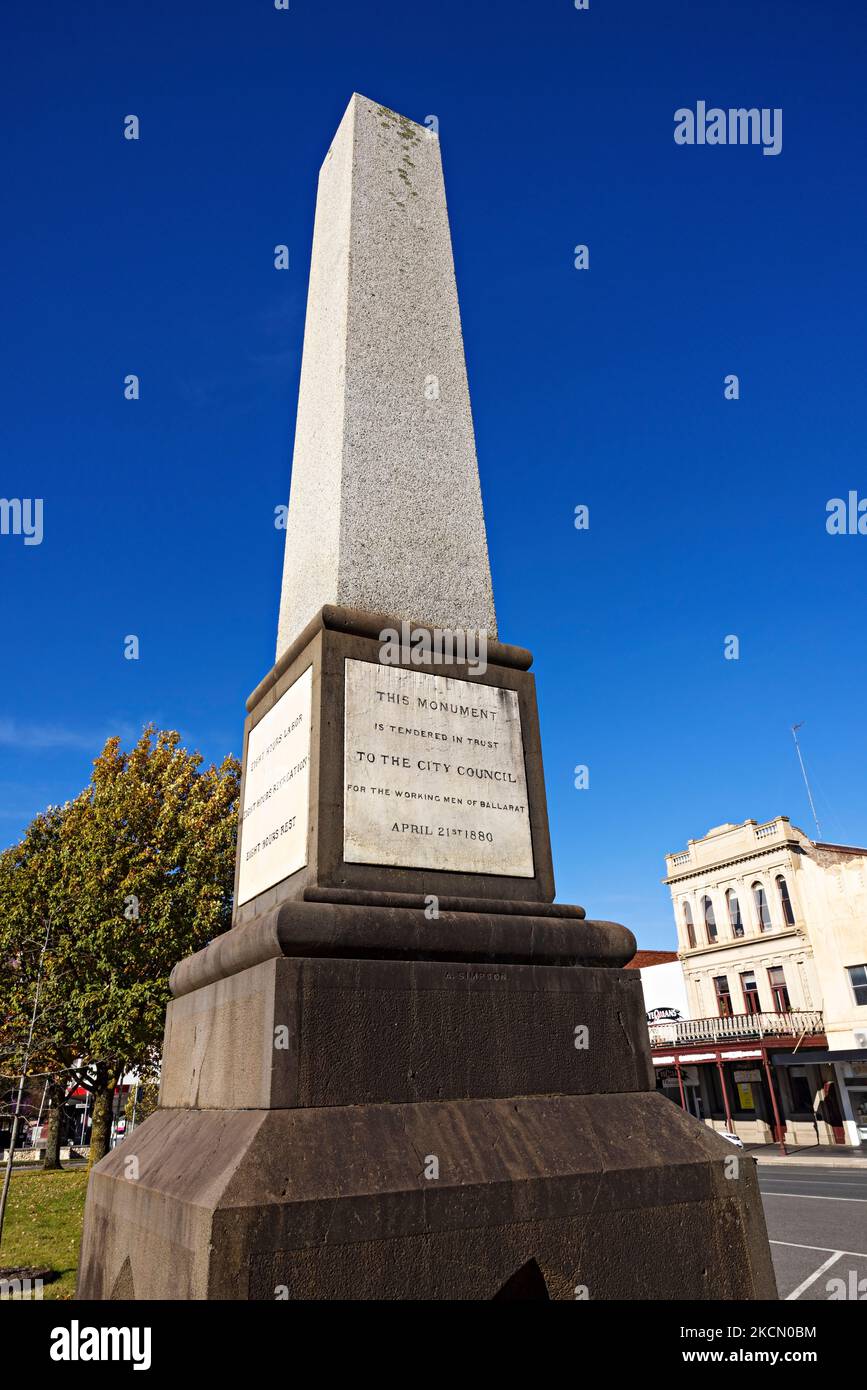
<point>745,1096</point>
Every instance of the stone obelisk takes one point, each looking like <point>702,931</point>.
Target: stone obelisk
<point>385,514</point>
<point>405,1072</point>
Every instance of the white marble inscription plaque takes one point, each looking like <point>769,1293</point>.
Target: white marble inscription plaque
<point>434,773</point>
<point>275,814</point>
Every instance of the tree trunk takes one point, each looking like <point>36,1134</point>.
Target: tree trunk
<point>56,1097</point>
<point>103,1102</point>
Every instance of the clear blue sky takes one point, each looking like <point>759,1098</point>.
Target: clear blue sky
<point>602,387</point>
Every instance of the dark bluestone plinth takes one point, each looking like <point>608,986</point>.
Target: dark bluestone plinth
<point>622,1195</point>
<point>302,1171</point>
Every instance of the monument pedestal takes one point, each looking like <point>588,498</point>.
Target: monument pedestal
<point>418,1129</point>
<point>397,1081</point>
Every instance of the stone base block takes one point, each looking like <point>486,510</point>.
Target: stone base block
<point>322,1032</point>
<point>622,1196</point>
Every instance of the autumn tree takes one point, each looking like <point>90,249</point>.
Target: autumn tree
<point>32,923</point>
<point>141,878</point>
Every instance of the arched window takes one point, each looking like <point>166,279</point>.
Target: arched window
<point>688,923</point>
<point>709,919</point>
<point>763,912</point>
<point>734,913</point>
<point>785,901</point>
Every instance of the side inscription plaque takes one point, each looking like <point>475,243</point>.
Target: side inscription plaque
<point>434,773</point>
<point>276,810</point>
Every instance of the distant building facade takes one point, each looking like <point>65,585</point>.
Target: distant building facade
<point>663,984</point>
<point>666,1004</point>
<point>772,933</point>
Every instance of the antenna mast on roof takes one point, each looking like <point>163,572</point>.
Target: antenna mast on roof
<point>795,728</point>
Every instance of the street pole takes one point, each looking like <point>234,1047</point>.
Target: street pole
<point>84,1116</point>
<point>778,1124</point>
<point>7,1177</point>
<point>680,1084</point>
<point>42,1104</point>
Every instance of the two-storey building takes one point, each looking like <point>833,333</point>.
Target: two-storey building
<point>772,934</point>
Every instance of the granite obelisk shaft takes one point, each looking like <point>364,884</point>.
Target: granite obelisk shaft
<point>385,511</point>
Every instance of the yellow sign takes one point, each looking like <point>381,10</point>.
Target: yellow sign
<point>745,1096</point>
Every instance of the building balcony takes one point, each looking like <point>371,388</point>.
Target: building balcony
<point>729,843</point>
<point>738,1028</point>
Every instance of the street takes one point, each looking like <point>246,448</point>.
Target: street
<point>817,1226</point>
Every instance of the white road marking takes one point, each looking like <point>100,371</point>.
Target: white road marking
<point>787,1187</point>
<point>813,1197</point>
<point>796,1293</point>
<point>819,1177</point>
<point>823,1249</point>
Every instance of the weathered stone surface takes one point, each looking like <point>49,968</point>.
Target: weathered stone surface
<point>623,1194</point>
<point>397,933</point>
<point>362,897</point>
<point>385,511</point>
<point>348,1032</point>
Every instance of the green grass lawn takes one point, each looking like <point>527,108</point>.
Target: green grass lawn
<point>43,1225</point>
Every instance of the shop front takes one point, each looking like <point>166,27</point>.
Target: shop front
<point>856,1093</point>
<point>685,1089</point>
<point>838,1079</point>
<point>764,1096</point>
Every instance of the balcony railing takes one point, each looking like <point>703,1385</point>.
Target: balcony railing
<point>737,1028</point>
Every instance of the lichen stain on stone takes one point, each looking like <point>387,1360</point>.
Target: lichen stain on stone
<point>391,121</point>
<point>406,128</point>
